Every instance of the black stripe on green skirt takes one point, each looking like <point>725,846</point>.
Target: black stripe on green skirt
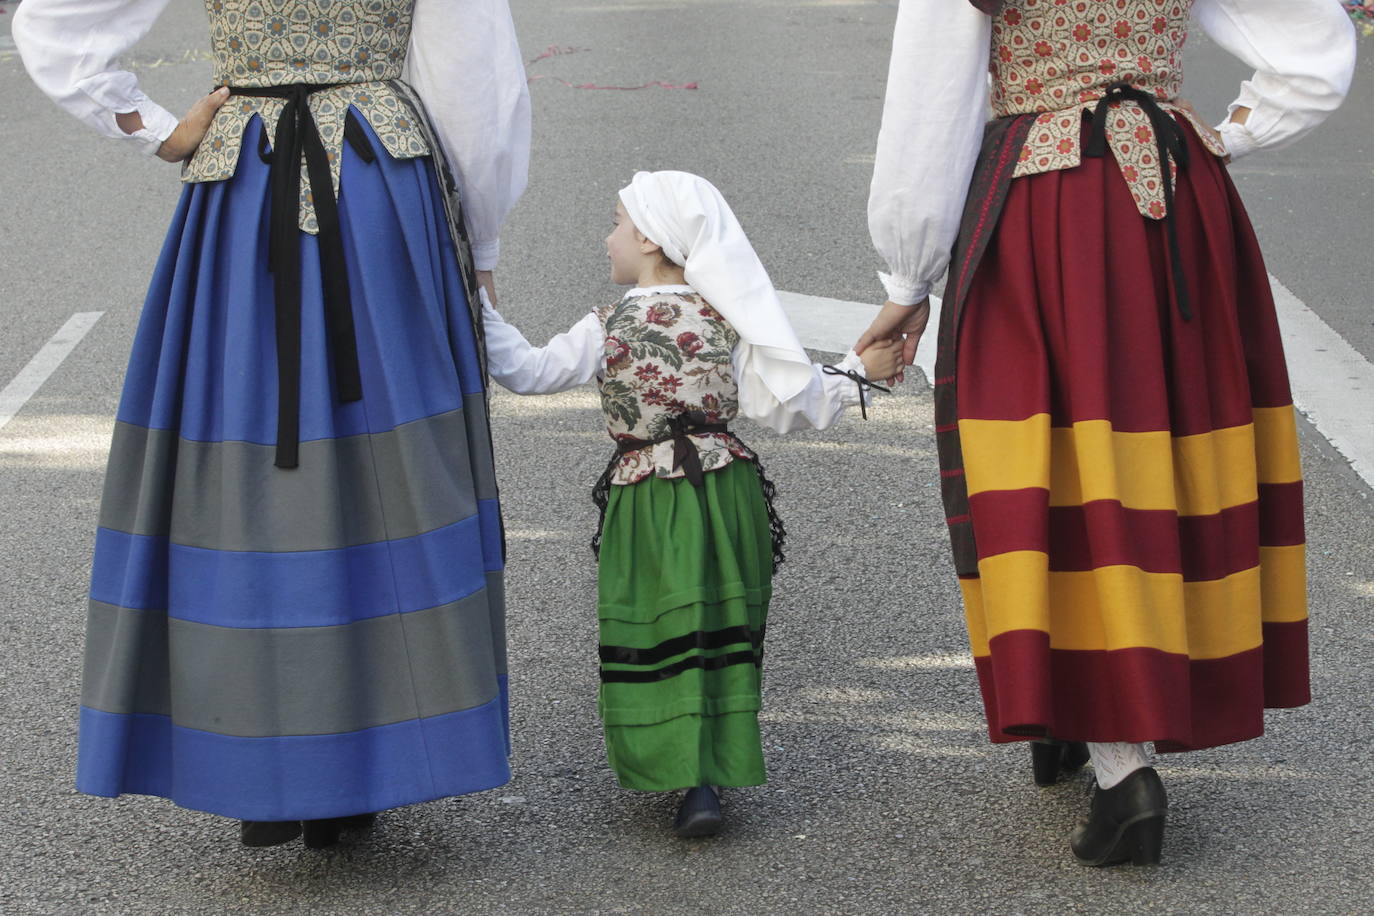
<point>699,641</point>
<point>687,664</point>
<point>716,639</point>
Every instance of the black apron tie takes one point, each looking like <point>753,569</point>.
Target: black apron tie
<point>297,138</point>
<point>681,428</point>
<point>1173,147</point>
<point>685,454</point>
<point>863,383</point>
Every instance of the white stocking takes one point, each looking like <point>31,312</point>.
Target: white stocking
<point>1113,761</point>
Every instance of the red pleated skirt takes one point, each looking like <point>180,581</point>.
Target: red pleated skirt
<point>1133,477</point>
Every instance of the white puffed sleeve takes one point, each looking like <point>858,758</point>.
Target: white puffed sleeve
<point>572,358</point>
<point>69,48</point>
<point>465,63</point>
<point>816,406</point>
<point>933,117</point>
<point>1303,52</point>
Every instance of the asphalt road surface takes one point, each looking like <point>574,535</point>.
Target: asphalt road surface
<point>884,794</point>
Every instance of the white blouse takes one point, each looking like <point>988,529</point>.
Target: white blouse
<point>578,355</point>
<point>463,60</point>
<point>937,103</point>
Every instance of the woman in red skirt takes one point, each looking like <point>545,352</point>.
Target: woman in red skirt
<point>1117,441</point>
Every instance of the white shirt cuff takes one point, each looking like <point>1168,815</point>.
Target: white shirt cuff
<point>486,254</point>
<point>157,120</point>
<point>1237,139</point>
<point>903,291</point>
<point>158,124</point>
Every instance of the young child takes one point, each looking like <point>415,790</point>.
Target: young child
<point>688,540</point>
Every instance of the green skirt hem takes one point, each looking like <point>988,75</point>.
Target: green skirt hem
<point>707,707</point>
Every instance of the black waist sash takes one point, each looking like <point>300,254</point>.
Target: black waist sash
<point>298,138</point>
<point>681,428</point>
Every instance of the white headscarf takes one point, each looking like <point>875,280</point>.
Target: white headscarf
<point>688,218</point>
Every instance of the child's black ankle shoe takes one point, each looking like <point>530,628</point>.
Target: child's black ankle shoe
<point>699,814</point>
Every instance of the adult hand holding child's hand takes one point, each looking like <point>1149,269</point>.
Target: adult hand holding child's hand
<point>902,324</point>
<point>882,360</point>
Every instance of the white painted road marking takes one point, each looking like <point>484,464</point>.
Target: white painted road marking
<point>1333,384</point>
<point>833,325</point>
<point>26,384</point>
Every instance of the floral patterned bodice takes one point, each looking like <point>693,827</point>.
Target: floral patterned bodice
<point>1057,57</point>
<point>360,44</point>
<point>667,353</point>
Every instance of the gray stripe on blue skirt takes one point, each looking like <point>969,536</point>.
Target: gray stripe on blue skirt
<point>419,477</point>
<point>257,683</point>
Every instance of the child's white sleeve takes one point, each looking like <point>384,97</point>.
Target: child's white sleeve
<point>816,406</point>
<point>572,358</point>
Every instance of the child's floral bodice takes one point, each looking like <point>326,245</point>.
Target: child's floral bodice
<point>1057,57</point>
<point>667,353</point>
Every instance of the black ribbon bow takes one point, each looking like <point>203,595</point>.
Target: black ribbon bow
<point>681,428</point>
<point>297,138</point>
<point>863,383</point>
<point>1171,141</point>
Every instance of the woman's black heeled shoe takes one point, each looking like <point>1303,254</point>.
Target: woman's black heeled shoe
<point>699,814</point>
<point>325,832</point>
<point>268,833</point>
<point>1125,823</point>
<point>1050,759</point>
<point>322,833</point>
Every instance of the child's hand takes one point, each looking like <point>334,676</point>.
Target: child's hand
<point>882,360</point>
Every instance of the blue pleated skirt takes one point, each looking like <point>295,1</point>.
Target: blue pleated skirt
<point>328,640</point>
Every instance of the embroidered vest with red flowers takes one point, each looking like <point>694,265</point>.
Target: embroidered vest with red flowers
<point>1057,58</point>
<point>667,353</point>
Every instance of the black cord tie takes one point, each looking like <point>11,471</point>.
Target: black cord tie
<point>1171,139</point>
<point>863,383</point>
<point>298,137</point>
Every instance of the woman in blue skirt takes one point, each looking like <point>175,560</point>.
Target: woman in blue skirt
<point>296,613</point>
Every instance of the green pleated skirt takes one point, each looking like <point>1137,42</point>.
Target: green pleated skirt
<point>682,597</point>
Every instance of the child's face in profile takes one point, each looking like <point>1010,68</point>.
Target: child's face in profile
<point>625,248</point>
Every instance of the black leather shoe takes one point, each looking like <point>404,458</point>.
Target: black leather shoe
<point>268,833</point>
<point>1050,759</point>
<point>322,833</point>
<point>1126,822</point>
<point>699,813</point>
<point>325,832</point>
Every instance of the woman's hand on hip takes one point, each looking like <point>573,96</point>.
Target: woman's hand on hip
<point>189,131</point>
<point>1239,116</point>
